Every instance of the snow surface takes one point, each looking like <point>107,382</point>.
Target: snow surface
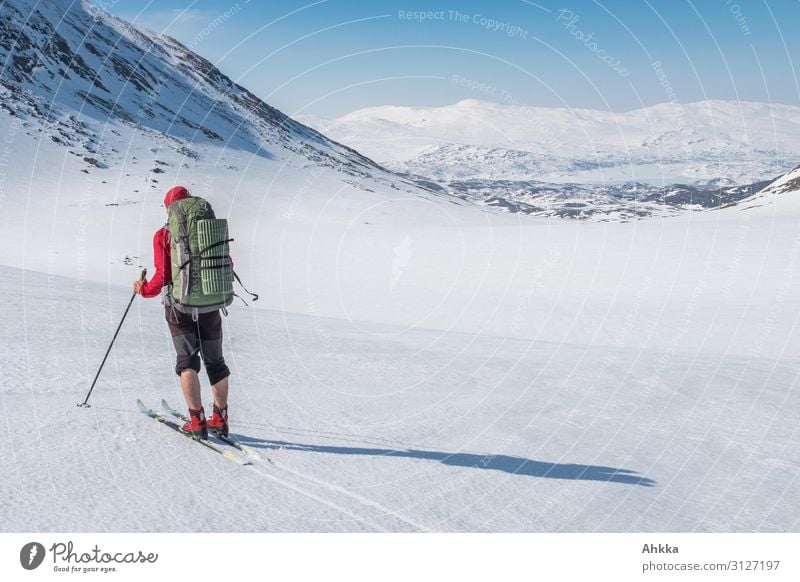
<point>414,362</point>
<point>411,365</point>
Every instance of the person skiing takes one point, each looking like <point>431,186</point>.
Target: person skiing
<point>194,336</point>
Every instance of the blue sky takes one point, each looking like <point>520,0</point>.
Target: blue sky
<point>330,57</point>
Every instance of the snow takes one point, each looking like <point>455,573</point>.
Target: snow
<point>414,363</point>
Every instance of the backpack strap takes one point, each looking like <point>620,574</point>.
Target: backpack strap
<point>204,257</point>
<point>216,244</point>
<point>180,240</point>
<point>238,280</point>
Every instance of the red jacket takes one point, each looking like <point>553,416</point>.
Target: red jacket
<point>161,253</point>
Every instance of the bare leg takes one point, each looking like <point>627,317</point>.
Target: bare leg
<point>220,392</point>
<point>190,383</point>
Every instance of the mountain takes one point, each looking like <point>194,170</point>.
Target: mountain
<point>577,163</point>
<point>76,74</point>
<point>780,195</point>
<point>98,118</point>
<point>114,96</point>
<point>740,142</point>
<point>599,202</point>
<point>789,182</point>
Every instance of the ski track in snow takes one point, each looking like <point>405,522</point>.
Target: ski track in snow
<point>332,487</point>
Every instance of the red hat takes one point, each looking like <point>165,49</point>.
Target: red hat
<point>176,193</point>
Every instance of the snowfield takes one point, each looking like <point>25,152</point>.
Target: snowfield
<point>480,374</point>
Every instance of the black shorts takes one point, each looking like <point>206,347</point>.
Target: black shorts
<point>196,339</point>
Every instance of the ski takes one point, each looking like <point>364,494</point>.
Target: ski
<point>230,439</point>
<point>230,455</point>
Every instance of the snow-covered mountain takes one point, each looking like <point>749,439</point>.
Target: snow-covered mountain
<point>740,142</point>
<point>81,78</point>
<point>789,182</point>
<point>599,202</point>
<point>659,160</point>
<point>784,191</point>
<point>96,113</point>
<point>112,96</point>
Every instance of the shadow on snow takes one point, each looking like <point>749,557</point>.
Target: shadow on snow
<point>504,463</point>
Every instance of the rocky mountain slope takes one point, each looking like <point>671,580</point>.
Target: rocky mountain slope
<point>75,73</point>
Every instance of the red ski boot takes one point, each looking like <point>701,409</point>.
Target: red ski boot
<point>197,427</point>
<point>219,421</point>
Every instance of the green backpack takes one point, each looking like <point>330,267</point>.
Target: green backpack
<point>202,274</point>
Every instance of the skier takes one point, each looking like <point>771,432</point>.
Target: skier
<point>194,335</point>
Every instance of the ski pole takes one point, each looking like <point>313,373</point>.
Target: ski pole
<point>108,351</point>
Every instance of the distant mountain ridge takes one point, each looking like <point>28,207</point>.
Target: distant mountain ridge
<point>738,142</point>
<point>578,163</point>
